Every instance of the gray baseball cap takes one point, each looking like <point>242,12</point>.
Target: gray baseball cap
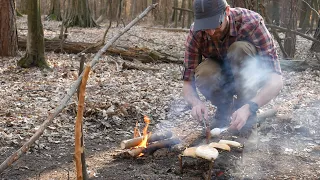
<point>208,14</point>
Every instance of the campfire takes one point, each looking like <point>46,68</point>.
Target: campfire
<point>147,143</point>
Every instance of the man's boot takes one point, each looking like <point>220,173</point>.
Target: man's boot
<point>222,116</point>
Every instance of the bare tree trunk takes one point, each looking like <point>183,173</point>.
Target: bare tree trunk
<point>8,29</point>
<point>275,12</point>
<point>103,12</point>
<point>305,19</point>
<point>175,14</point>
<point>35,42</point>
<point>133,8</point>
<point>78,14</point>
<point>22,6</point>
<point>119,11</point>
<point>165,22</point>
<point>291,23</point>
<point>55,12</point>
<point>239,3</point>
<point>190,15</point>
<point>316,46</point>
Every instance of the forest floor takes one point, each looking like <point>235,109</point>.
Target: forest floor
<point>287,145</point>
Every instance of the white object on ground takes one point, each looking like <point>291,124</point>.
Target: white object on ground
<point>217,131</point>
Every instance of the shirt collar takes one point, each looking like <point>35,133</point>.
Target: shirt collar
<point>233,30</point>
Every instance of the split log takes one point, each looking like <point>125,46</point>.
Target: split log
<point>154,137</point>
<point>153,147</point>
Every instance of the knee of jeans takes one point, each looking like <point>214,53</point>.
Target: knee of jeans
<point>207,73</point>
<point>241,50</point>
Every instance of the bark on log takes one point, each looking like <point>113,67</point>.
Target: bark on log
<point>125,144</point>
<point>144,55</point>
<point>153,147</point>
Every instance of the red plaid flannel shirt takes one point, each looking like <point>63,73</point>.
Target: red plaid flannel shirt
<point>245,25</point>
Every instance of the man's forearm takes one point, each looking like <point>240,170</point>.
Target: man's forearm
<point>190,94</point>
<point>270,90</point>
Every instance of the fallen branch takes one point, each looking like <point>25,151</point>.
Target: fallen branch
<point>269,113</point>
<point>129,65</point>
<point>295,32</point>
<point>16,155</point>
<point>169,29</point>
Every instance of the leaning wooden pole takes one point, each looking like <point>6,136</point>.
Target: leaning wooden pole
<point>16,155</point>
<point>78,140</point>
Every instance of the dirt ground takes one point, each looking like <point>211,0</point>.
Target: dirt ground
<point>285,146</point>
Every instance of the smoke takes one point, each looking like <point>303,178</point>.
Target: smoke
<point>249,76</point>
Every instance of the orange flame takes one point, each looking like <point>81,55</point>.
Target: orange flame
<point>136,131</point>
<point>144,141</point>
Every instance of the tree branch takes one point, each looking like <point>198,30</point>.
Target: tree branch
<point>295,32</point>
<point>311,8</point>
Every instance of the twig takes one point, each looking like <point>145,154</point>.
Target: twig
<point>16,155</point>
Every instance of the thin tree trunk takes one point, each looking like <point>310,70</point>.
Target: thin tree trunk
<point>190,15</point>
<point>290,38</point>
<point>35,42</point>
<point>165,22</point>
<point>316,46</point>
<point>305,23</point>
<point>22,6</point>
<point>8,29</point>
<point>55,12</point>
<point>175,14</point>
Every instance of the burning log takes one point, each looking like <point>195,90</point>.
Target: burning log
<point>125,144</point>
<point>153,147</point>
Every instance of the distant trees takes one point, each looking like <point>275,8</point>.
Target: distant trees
<point>55,11</point>
<point>8,29</point>
<point>78,14</point>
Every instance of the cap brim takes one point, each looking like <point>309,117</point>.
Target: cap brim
<point>206,23</point>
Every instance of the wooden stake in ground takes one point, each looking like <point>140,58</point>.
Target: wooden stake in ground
<point>79,148</point>
<point>16,155</point>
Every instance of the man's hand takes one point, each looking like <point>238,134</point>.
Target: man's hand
<point>199,111</point>
<point>240,117</point>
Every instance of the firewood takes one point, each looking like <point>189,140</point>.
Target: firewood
<point>125,144</point>
<point>153,147</point>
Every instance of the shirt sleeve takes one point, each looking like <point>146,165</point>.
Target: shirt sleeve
<point>192,55</point>
<point>265,46</point>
